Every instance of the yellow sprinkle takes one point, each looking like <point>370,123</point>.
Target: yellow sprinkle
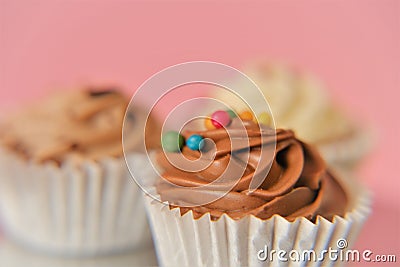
<point>264,118</point>
<point>246,115</point>
<point>208,124</point>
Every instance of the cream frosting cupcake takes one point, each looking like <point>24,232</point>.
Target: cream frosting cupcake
<point>299,204</point>
<point>65,187</point>
<point>299,101</point>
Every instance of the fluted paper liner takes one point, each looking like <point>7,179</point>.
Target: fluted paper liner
<point>72,210</point>
<point>181,240</point>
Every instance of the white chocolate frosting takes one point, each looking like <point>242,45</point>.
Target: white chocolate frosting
<point>297,100</point>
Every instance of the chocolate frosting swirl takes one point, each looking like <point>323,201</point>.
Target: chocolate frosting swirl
<point>297,184</point>
<point>83,124</point>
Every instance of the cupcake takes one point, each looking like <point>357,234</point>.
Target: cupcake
<point>298,204</point>
<point>299,101</point>
<point>65,187</point>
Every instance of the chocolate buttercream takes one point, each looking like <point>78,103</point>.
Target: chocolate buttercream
<point>295,184</point>
<point>83,124</point>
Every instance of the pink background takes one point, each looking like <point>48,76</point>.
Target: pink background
<point>352,45</point>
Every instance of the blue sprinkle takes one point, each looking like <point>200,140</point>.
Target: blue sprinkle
<point>195,142</point>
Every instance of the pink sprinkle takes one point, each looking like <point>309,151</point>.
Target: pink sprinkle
<point>220,118</point>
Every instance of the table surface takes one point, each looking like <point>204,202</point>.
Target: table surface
<point>12,255</point>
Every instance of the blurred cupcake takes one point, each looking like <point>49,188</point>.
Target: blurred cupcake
<point>299,102</point>
<point>299,204</point>
<point>65,187</point>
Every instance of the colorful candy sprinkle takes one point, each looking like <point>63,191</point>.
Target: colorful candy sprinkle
<point>231,113</point>
<point>220,118</point>
<point>195,142</point>
<point>208,124</point>
<point>172,141</point>
<point>264,118</point>
<point>246,115</point>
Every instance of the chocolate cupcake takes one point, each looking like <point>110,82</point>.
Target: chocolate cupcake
<point>298,204</point>
<point>65,187</point>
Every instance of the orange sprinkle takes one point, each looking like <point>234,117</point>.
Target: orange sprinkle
<point>246,115</point>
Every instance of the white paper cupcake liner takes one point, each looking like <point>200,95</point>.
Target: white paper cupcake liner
<point>184,241</point>
<point>74,211</point>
